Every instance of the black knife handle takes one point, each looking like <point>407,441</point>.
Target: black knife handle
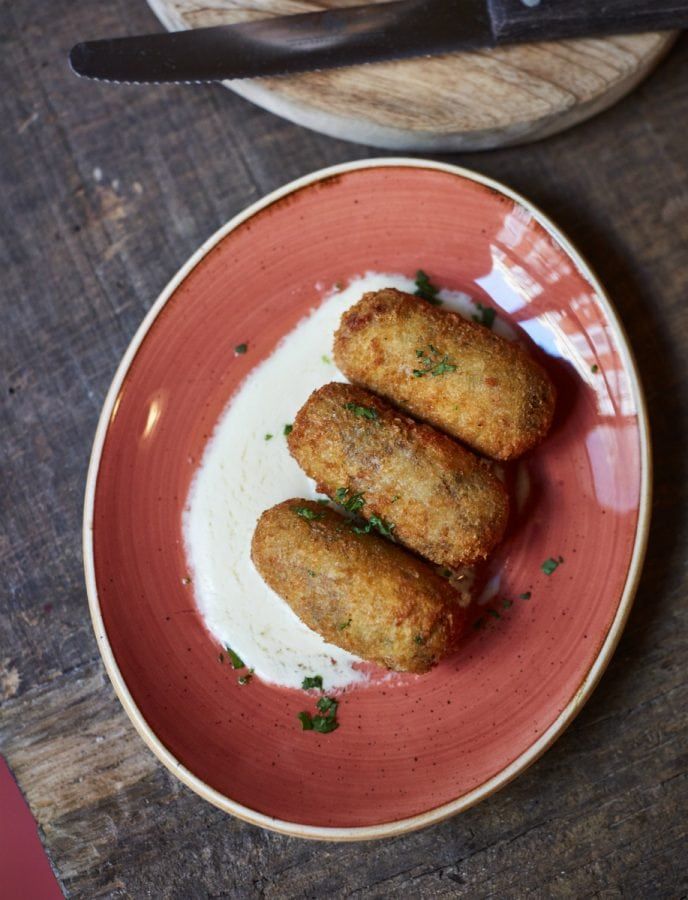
<point>533,20</point>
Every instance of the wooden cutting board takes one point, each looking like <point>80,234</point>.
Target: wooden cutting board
<point>460,101</point>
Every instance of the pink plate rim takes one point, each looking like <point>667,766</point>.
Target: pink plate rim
<point>545,740</point>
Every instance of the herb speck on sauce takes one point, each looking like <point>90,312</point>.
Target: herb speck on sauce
<point>312,681</point>
<point>485,315</point>
<point>426,289</point>
<point>526,595</point>
<point>235,659</point>
<point>240,349</point>
<point>493,612</point>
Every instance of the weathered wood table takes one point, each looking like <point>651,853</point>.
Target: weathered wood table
<point>105,191</point>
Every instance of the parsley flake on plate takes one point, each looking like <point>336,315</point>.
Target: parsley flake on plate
<point>549,565</point>
<point>426,289</point>
<point>325,720</point>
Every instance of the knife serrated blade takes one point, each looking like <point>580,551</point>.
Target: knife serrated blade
<point>359,34</point>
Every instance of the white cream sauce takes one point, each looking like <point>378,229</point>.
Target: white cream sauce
<point>242,474</point>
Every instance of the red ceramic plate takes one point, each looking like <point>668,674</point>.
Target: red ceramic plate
<point>409,755</point>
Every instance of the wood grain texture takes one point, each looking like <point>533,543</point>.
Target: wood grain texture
<point>459,101</point>
<point>105,191</point>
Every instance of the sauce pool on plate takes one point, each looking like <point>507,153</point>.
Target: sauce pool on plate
<point>246,468</point>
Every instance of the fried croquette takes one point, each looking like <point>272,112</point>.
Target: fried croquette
<point>358,590</point>
<point>455,374</point>
<point>407,479</point>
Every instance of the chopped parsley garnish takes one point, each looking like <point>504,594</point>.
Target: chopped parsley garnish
<point>240,348</point>
<point>365,412</point>
<point>268,437</point>
<point>325,720</point>
<point>325,724</point>
<point>485,316</point>
<point>307,513</point>
<point>235,659</point>
<point>385,528</point>
<point>353,503</point>
<point>426,289</point>
<point>506,603</point>
<point>344,625</point>
<point>526,595</point>
<point>288,428</point>
<point>434,363</point>
<point>327,704</point>
<point>306,721</point>
<point>326,359</point>
<point>494,613</point>
<point>549,565</point>
<point>244,679</point>
<point>594,369</point>
<point>312,681</point>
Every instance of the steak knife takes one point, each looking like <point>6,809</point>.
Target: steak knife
<point>360,34</point>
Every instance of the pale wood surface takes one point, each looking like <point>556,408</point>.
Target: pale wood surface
<point>458,101</point>
<point>105,191</point>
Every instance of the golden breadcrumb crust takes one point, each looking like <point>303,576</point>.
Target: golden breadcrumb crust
<point>443,501</point>
<point>476,386</point>
<point>359,591</point>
